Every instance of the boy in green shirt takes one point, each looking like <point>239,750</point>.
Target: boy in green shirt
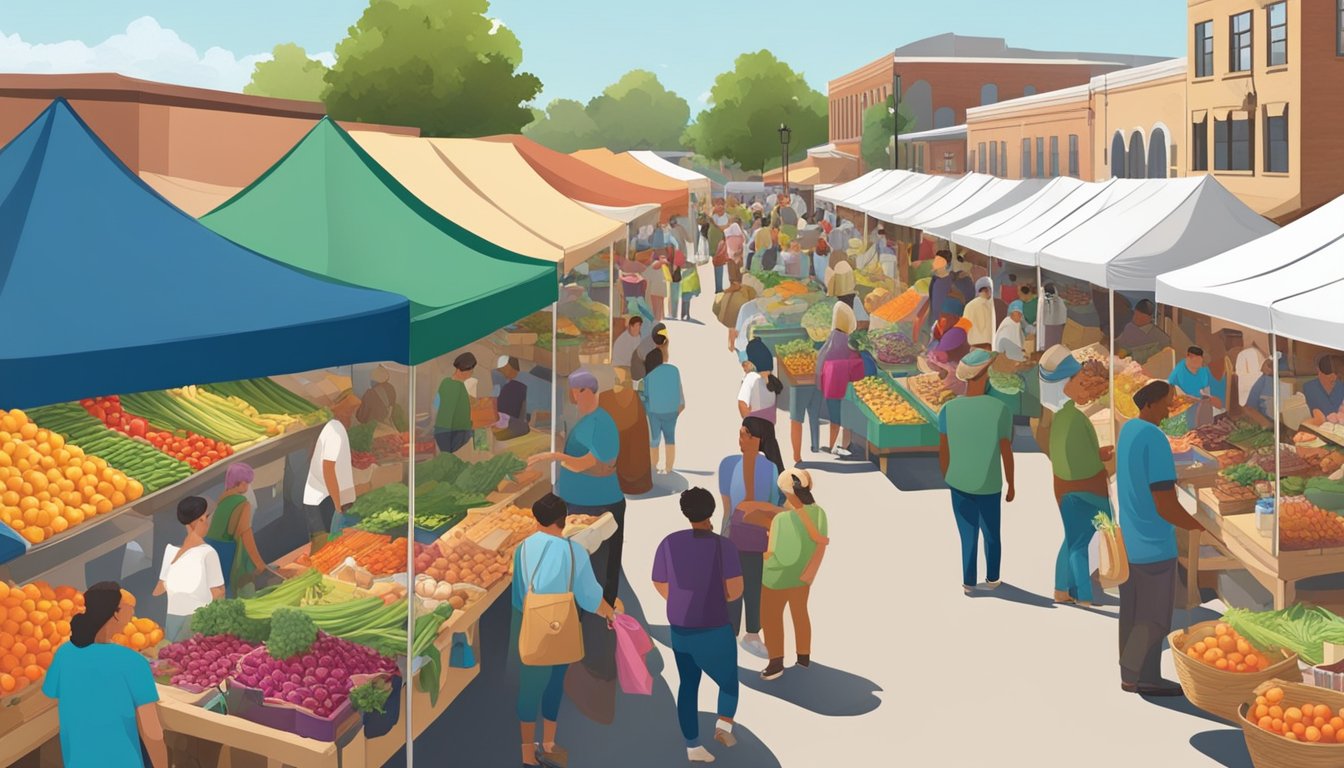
<point>452,423</point>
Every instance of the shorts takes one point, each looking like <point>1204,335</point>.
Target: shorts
<point>833,410</point>
<point>805,400</point>
<point>664,425</point>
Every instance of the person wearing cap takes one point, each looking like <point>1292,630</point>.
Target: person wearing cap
<point>797,544</point>
<point>1141,338</point>
<point>1054,316</point>
<point>953,344</point>
<point>191,575</point>
<point>979,313</point>
<point>587,470</point>
<point>512,401</point>
<point>975,438</point>
<point>1011,338</point>
<point>1193,379</point>
<point>452,421</point>
<point>1081,483</point>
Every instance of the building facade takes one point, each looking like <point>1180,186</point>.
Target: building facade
<point>1041,136</point>
<point>1138,114</point>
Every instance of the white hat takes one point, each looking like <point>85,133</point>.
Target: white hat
<point>787,478</point>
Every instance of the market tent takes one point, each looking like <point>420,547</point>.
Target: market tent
<point>196,198</point>
<point>1215,287</point>
<point>625,167</point>
<point>977,235</point>
<point>839,192</point>
<point>636,215</point>
<point>919,191</point>
<point>1180,222</point>
<point>806,176</point>
<point>1317,316</point>
<point>893,181</point>
<point>699,184</point>
<point>948,195</point>
<point>1022,245</point>
<point>329,208</point>
<point>107,288</point>
<point>998,195</point>
<point>585,183</point>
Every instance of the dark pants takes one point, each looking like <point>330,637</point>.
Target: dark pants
<point>977,514</point>
<point>610,575</point>
<point>1147,600</point>
<point>750,602</point>
<point>686,306</point>
<point>318,517</point>
<point>452,440</point>
<point>712,652</point>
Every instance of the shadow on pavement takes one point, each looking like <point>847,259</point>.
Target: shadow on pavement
<point>1227,747</point>
<point>1013,594</point>
<point>1183,706</point>
<point>838,467</point>
<point>664,486</point>
<point>818,689</point>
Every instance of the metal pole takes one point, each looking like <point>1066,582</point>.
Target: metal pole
<point>611,299</point>
<point>409,689</point>
<point>1278,416</point>
<point>1115,422</point>
<point>895,120</point>
<point>555,384</point>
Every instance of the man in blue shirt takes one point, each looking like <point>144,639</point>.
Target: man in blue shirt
<point>1149,516</point>
<point>1193,378</point>
<point>1260,400</point>
<point>1325,393</point>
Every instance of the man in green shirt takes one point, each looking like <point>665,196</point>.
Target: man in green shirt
<point>976,436</point>
<point>452,423</point>
<point>1081,486</point>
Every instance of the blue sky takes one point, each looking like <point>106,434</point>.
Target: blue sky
<point>577,47</point>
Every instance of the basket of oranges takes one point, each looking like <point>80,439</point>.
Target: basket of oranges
<point>1219,668</point>
<point>1291,725</point>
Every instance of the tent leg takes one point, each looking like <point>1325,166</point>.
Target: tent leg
<point>611,299</point>
<point>408,689</point>
<point>555,385</point>
<point>1115,438</point>
<point>1278,416</point>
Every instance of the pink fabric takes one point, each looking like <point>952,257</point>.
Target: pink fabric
<point>632,645</point>
<point>837,374</point>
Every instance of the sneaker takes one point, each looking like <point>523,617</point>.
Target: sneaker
<point>993,585</point>
<point>838,451</point>
<point>773,670</point>
<point>726,738</point>
<point>804,661</point>
<point>755,647</point>
<point>1164,689</point>
<point>699,755</point>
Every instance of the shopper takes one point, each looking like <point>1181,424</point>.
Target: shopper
<point>626,408</point>
<point>798,540</point>
<point>1030,303</point>
<point>979,312</point>
<point>1260,397</point>
<point>623,348</point>
<point>976,434</point>
<point>1011,338</point>
<point>718,221</point>
<point>1141,339</point>
<point>646,344</point>
<point>690,288</point>
<point>1149,516</point>
<point>940,284</point>
<point>587,477</point>
<point>379,404</point>
<point>452,424</point>
<point>747,487</point>
<point>106,700</point>
<point>757,395</point>
<point>1054,316</point>
<point>330,485</point>
<point>547,563</point>
<point>697,572</point>
<point>512,402</point>
<point>190,576</point>
<point>675,267</point>
<point>836,370</point>
<point>231,526</point>
<point>840,282</point>
<point>1081,482</point>
<point>664,401</point>
<point>792,260</point>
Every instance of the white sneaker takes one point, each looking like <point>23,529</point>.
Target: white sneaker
<point>699,755</point>
<point>838,451</point>
<point>755,647</point>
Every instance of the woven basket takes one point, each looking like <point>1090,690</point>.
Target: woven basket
<point>1270,750</point>
<point>1217,691</point>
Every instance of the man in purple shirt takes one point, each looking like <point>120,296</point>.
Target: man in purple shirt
<point>698,573</point>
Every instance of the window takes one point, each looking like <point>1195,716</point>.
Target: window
<point>1277,16</point>
<point>994,158</point>
<point>1276,142</point>
<point>1026,158</point>
<point>1232,143</point>
<point>1136,157</point>
<point>945,117</point>
<point>1239,44</point>
<point>1199,142</point>
<point>1157,154</point>
<point>1339,28</point>
<point>1003,153</point>
<point>989,94</point>
<point>1054,156</point>
<point>1040,157</point>
<point>1073,155</point>
<point>1029,90</point>
<point>1204,49</point>
<point>1118,156</point>
<point>921,157</point>
<point>949,162</point>
<point>981,166</point>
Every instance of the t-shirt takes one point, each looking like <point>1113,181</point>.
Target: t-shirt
<point>1261,396</point>
<point>97,689</point>
<point>696,593</point>
<point>190,579</point>
<point>1248,365</point>
<point>595,433</point>
<point>974,426</point>
<point>454,406</point>
<point>1192,383</point>
<point>756,394</point>
<point>791,547</point>
<point>1320,400</point>
<point>333,444</point>
<point>747,537</point>
<point>513,403</point>
<point>549,565</point>
<point>1142,459</point>
<point>980,311</point>
<point>662,390</point>
<point>1029,311</point>
<point>1074,451</point>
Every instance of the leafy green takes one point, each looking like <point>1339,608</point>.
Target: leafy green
<point>1245,474</point>
<point>371,696</point>
<point>227,617</point>
<point>292,633</point>
<point>1175,426</point>
<point>443,468</point>
<point>1301,629</point>
<point>361,437</point>
<point>390,496</point>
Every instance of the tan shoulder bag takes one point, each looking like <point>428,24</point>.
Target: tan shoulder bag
<point>550,632</point>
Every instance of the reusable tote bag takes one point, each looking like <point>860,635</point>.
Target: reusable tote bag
<point>632,645</point>
<point>550,634</point>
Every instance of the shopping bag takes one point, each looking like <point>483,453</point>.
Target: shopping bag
<point>836,376</point>
<point>632,646</point>
<point>550,633</point>
<point>1113,560</point>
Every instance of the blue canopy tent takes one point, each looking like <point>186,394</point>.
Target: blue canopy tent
<point>106,288</point>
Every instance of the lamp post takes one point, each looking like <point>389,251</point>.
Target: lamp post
<point>784,135</point>
<point>895,121</point>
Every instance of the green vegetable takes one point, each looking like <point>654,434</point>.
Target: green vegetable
<point>371,696</point>
<point>386,521</point>
<point>152,468</point>
<point>485,476</point>
<point>172,413</point>
<point>426,631</point>
<point>292,633</point>
<point>795,347</point>
<point>443,468</point>
<point>1301,629</point>
<point>227,617</point>
<point>1293,485</point>
<point>1175,426</point>
<point>361,437</point>
<point>1007,383</point>
<point>286,595</point>
<point>1245,474</point>
<point>390,496</point>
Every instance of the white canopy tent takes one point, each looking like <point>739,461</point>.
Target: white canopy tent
<point>947,197</point>
<point>886,185</point>
<point>1023,245</point>
<point>1164,223</point>
<point>977,235</point>
<point>918,191</point>
<point>698,183</point>
<point>998,195</point>
<point>839,192</point>
<point>1317,316</point>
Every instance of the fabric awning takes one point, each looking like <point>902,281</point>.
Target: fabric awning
<point>952,193</point>
<point>1023,245</point>
<point>698,182</point>
<point>920,191</point>
<point>626,167</point>
<point>842,191</point>
<point>977,235</point>
<point>636,215</point>
<point>998,195</point>
<point>107,288</point>
<point>893,181</point>
<point>196,198</point>
<point>805,176</point>
<point>1317,316</point>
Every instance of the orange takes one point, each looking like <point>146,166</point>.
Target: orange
<point>33,672</point>
<point>7,682</point>
<point>9,662</point>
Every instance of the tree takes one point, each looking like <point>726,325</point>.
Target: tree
<point>290,74</point>
<point>438,65</point>
<point>637,112</point>
<point>565,127</point>
<point>875,145</point>
<point>749,103</point>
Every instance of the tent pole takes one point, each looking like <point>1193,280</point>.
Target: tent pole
<point>1115,421</point>
<point>408,689</point>
<point>555,384</point>
<point>1278,416</point>
<point>611,299</point>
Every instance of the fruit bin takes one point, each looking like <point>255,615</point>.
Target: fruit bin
<point>893,435</point>
<point>1270,750</point>
<point>1217,691</point>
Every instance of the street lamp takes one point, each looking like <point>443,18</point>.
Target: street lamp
<point>784,135</point>
<point>895,124</point>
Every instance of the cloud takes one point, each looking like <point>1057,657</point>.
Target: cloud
<point>145,50</point>
<point>705,97</point>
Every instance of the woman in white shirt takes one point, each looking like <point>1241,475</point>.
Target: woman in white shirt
<point>191,575</point>
<point>760,386</point>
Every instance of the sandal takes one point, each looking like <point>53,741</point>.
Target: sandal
<point>558,757</point>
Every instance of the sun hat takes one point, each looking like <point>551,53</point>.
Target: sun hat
<point>842,318</point>
<point>788,476</point>
<point>1058,364</point>
<point>974,363</point>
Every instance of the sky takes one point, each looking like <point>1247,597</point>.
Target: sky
<point>577,47</point>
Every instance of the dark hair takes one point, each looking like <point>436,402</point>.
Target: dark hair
<point>1027,288</point>
<point>190,509</point>
<point>1325,365</point>
<point>1012,278</point>
<point>549,510</point>
<point>465,362</point>
<point>513,363</point>
<point>1195,351</point>
<point>636,320</point>
<point>101,603</point>
<point>765,432</point>
<point>652,360</point>
<point>1050,288</point>
<point>804,494</point>
<point>1150,393</point>
<point>697,504</point>
<point>772,384</point>
<point>1145,306</point>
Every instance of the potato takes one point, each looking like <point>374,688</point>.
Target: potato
<point>457,603</point>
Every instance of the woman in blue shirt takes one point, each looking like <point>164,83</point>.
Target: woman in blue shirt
<point>548,564</point>
<point>105,693</point>
<point>663,402</point>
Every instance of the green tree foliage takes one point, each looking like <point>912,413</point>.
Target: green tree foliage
<point>565,127</point>
<point>749,103</point>
<point>290,74</point>
<point>637,112</point>
<point>875,145</point>
<point>439,65</point>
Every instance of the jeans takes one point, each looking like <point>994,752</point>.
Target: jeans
<point>1147,600</point>
<point>611,582</point>
<point>712,652</point>
<point>539,688</point>
<point>176,628</point>
<point>718,278</point>
<point>773,602</point>
<point>662,427</point>
<point>805,401</point>
<point>1072,572</point>
<point>674,297</point>
<point>753,563</point>
<point>452,440</point>
<point>977,514</point>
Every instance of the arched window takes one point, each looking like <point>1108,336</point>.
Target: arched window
<point>1157,154</point>
<point>1118,156</point>
<point>989,94</point>
<point>918,103</point>
<point>1029,90</point>
<point>945,117</point>
<point>1136,157</point>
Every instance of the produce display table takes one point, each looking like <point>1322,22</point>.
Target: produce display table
<point>885,440</point>
<point>28,722</point>
<point>773,336</point>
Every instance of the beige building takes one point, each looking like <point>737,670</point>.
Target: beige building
<point>1039,136</point>
<point>1138,118</point>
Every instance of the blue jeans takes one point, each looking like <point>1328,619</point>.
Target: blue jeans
<point>1072,573</point>
<point>718,279</point>
<point>977,514</point>
<point>539,688</point>
<point>805,404</point>
<point>713,652</point>
<point>662,427</point>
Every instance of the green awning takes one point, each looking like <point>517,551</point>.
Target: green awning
<point>327,208</point>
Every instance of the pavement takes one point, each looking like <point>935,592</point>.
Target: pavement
<point>906,669</point>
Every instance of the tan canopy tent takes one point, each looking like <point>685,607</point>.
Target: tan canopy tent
<point>627,167</point>
<point>196,198</point>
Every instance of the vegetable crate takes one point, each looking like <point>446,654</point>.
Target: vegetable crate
<point>774,336</point>
<point>892,435</point>
<point>1218,691</point>
<point>1270,750</point>
<point>249,704</point>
